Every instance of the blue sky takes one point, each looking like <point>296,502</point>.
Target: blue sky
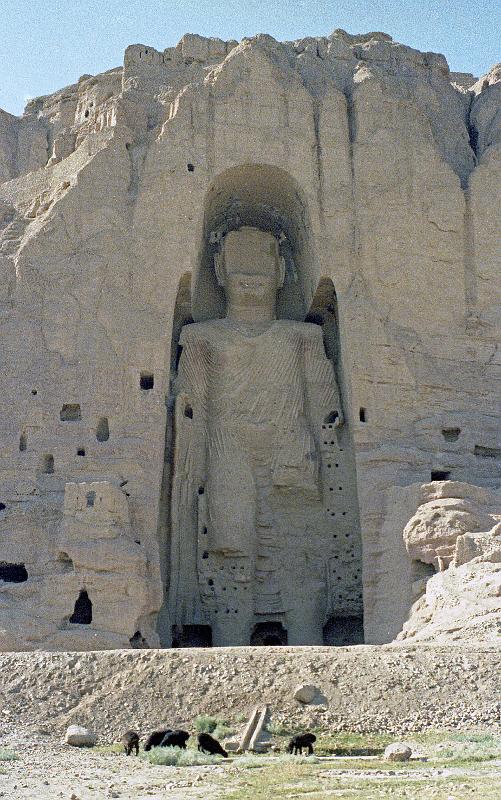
<point>47,45</point>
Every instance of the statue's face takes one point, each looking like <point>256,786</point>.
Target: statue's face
<point>250,289</point>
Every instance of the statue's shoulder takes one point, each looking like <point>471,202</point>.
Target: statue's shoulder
<point>304,330</point>
<point>197,332</point>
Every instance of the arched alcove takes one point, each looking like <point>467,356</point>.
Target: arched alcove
<point>82,613</point>
<point>269,634</point>
<point>198,582</point>
<point>265,197</point>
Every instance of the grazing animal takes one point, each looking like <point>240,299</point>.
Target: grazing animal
<point>207,744</point>
<point>297,743</point>
<point>156,738</point>
<point>130,741</point>
<point>175,739</point>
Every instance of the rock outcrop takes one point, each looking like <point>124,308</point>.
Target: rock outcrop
<point>458,530</point>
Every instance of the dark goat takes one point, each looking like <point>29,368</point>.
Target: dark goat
<point>175,739</point>
<point>297,743</point>
<point>207,744</point>
<point>156,738</point>
<point>130,741</point>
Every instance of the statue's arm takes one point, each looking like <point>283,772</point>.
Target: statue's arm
<point>191,407</point>
<point>323,396</point>
<point>189,475</point>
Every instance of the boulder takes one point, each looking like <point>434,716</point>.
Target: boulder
<point>397,752</point>
<point>305,693</point>
<point>78,736</point>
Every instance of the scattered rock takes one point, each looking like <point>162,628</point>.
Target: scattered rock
<point>232,745</point>
<point>397,752</point>
<point>78,736</point>
<point>305,693</point>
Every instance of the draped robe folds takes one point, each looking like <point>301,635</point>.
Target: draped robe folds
<point>248,403</point>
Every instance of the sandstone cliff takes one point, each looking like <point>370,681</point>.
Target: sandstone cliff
<point>383,168</point>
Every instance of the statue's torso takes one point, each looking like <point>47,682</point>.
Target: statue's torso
<point>254,378</point>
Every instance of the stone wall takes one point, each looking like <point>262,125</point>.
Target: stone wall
<point>384,167</point>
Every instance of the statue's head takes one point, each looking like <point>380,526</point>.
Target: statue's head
<point>249,267</point>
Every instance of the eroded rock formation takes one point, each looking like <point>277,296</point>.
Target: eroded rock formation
<point>457,530</point>
<point>377,172</point>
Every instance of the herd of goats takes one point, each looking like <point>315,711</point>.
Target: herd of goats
<point>206,743</point>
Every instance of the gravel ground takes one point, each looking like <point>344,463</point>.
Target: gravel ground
<point>46,770</point>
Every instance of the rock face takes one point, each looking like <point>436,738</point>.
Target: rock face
<point>376,173</point>
<point>455,532</point>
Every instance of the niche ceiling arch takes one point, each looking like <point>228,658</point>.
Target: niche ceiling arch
<point>265,197</point>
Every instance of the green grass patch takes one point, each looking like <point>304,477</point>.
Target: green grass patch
<point>7,755</point>
<point>216,727</point>
<point>177,757</point>
<point>288,778</point>
<point>106,749</point>
<point>352,744</point>
<point>278,729</point>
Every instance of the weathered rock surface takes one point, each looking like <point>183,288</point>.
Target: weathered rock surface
<point>379,171</point>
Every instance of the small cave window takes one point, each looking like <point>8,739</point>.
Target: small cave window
<point>451,434</point>
<point>146,381</point>
<point>191,636</point>
<point>190,167</point>
<point>70,412</point>
<point>23,443</point>
<point>82,614</point>
<point>440,475</point>
<point>362,415</point>
<point>487,452</point>
<point>102,430</point>
<point>90,498</point>
<point>65,562</point>
<point>138,642</point>
<point>269,634</point>
<point>331,418</point>
<point>48,464</point>
<point>2,506</point>
<point>13,573</point>
<point>343,631</point>
<point>188,412</point>
<point>86,113</point>
<point>34,392</point>
<point>80,451</point>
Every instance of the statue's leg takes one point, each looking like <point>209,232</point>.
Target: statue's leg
<point>304,619</point>
<point>231,506</point>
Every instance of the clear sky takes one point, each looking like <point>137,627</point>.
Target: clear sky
<point>48,44</point>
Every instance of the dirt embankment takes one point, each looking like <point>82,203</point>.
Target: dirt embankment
<point>386,689</point>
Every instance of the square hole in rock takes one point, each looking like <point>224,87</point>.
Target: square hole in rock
<point>146,381</point>
<point>70,412</point>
